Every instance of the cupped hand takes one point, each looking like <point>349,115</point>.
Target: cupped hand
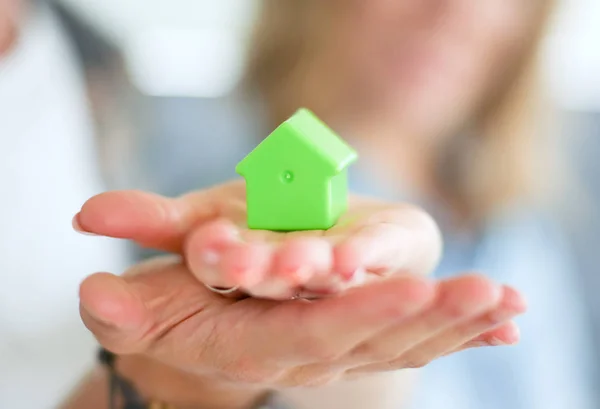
<point>161,308</point>
<point>161,311</point>
<point>372,239</point>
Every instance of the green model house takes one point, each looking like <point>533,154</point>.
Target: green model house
<point>296,179</point>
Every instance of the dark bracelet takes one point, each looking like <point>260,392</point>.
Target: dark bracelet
<point>120,387</point>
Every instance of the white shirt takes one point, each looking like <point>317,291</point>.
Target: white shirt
<point>48,168</point>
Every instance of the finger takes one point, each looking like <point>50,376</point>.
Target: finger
<point>127,314</point>
<point>156,221</point>
<point>458,300</point>
<point>450,339</point>
<point>245,265</point>
<point>112,312</point>
<point>377,248</point>
<point>512,304</point>
<point>298,259</point>
<point>402,238</point>
<point>506,334</point>
<point>265,264</point>
<point>297,262</point>
<point>325,329</point>
<point>217,256</point>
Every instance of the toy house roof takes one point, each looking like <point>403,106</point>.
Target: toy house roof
<point>321,139</point>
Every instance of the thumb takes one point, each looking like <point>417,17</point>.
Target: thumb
<point>129,314</point>
<point>113,312</point>
<point>155,221</point>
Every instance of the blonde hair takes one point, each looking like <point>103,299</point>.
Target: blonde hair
<point>490,166</point>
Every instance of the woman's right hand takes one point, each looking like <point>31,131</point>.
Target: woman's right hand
<point>160,311</point>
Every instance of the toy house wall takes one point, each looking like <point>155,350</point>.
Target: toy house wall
<point>338,195</point>
<point>275,203</point>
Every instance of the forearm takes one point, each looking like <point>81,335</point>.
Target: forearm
<point>158,382</point>
<point>391,390</point>
<point>91,393</point>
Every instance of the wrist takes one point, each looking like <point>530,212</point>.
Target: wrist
<point>157,381</point>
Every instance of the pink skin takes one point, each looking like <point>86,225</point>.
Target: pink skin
<point>158,310</point>
<point>161,311</point>
<point>422,67</point>
<point>428,63</point>
<point>280,266</point>
<point>472,308</point>
<point>284,266</point>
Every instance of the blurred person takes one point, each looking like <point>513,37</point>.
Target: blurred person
<point>581,213</point>
<point>49,166</point>
<point>444,103</point>
<point>120,328</point>
<point>176,340</point>
<point>43,349</point>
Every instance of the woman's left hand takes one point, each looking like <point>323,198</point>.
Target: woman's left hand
<point>373,239</point>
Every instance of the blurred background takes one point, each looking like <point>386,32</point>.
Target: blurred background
<point>160,34</point>
<point>186,58</point>
<point>163,79</point>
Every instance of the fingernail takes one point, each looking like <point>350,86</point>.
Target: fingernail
<point>100,320</point>
<point>77,226</point>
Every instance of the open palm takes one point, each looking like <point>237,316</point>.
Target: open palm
<point>158,310</point>
<point>372,238</point>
